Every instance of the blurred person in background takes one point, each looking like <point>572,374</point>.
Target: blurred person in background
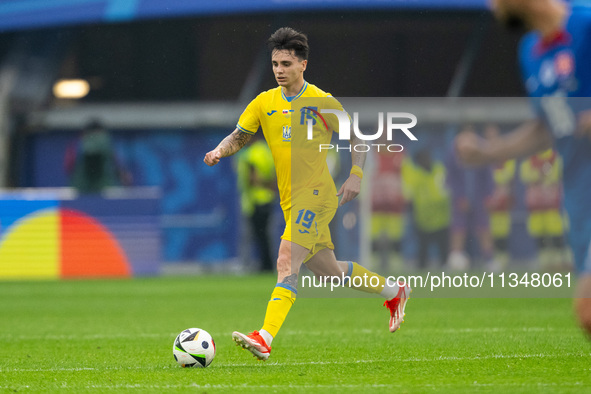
<point>308,195</point>
<point>500,202</point>
<point>388,206</point>
<point>541,173</point>
<point>555,59</point>
<point>470,190</point>
<point>424,182</point>
<point>91,161</point>
<point>258,191</point>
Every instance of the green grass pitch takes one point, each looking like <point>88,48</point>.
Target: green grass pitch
<point>116,336</point>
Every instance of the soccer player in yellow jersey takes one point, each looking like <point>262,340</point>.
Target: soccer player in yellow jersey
<point>309,198</point>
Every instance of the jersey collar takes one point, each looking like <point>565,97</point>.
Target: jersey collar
<point>290,99</point>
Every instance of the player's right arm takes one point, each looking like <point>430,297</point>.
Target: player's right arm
<point>352,186</point>
<point>229,145</point>
<point>527,139</point>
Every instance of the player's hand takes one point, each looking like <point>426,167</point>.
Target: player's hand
<point>584,129</point>
<point>350,189</point>
<point>469,147</point>
<point>212,157</point>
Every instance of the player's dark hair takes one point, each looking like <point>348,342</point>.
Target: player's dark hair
<point>290,39</point>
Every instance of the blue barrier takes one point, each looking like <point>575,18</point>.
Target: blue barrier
<point>27,14</point>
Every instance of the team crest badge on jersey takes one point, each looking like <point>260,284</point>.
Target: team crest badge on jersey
<point>286,133</point>
<point>564,63</point>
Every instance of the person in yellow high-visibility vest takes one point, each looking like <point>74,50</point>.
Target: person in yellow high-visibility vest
<point>500,202</point>
<point>257,183</point>
<point>388,207</point>
<point>499,205</point>
<point>425,187</point>
<point>541,173</point>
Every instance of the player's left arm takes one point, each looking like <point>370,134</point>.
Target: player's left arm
<point>352,185</point>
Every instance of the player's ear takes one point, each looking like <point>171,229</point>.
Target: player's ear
<point>304,65</point>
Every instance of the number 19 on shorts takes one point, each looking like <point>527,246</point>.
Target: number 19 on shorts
<point>305,219</point>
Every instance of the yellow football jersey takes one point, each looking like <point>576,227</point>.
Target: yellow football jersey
<point>300,164</point>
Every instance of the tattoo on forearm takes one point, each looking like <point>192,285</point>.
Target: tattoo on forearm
<point>357,158</point>
<point>291,280</point>
<point>233,143</point>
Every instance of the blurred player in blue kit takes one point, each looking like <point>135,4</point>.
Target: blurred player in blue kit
<point>555,59</point>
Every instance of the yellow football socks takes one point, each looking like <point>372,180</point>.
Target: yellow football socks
<point>282,299</point>
<point>284,296</point>
<point>365,280</point>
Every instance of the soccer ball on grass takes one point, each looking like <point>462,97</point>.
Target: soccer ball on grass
<point>193,347</point>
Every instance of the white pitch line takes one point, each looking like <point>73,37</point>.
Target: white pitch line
<point>84,369</point>
<point>211,386</point>
<point>416,359</point>
<point>482,330</point>
<point>59,337</point>
<point>297,386</point>
<point>282,364</point>
<point>286,332</point>
<point>46,369</point>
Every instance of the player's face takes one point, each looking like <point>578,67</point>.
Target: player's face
<point>288,69</point>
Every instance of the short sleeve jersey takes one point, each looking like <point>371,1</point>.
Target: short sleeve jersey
<point>302,171</point>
